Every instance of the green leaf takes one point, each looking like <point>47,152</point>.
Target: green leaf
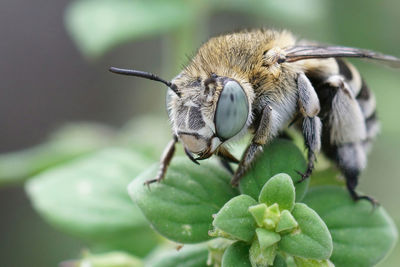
<point>181,206</point>
<point>281,156</point>
<point>272,217</point>
<point>279,189</point>
<point>286,222</point>
<point>312,239</point>
<point>328,176</point>
<point>235,220</point>
<point>68,142</point>
<point>302,262</point>
<point>188,256</point>
<point>148,135</point>
<point>266,237</point>
<point>87,198</point>
<point>279,261</point>
<point>216,250</point>
<point>98,25</point>
<point>362,236</point>
<point>258,212</point>
<point>262,257</point>
<point>236,255</point>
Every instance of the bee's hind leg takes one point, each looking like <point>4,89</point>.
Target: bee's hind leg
<point>351,159</point>
<point>351,183</point>
<point>166,158</point>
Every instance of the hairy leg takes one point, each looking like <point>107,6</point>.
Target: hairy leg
<point>309,107</point>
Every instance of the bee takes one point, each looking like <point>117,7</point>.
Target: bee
<point>260,81</point>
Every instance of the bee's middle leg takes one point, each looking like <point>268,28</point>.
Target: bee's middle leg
<point>309,107</point>
<point>263,134</point>
<point>312,140</point>
<point>165,160</point>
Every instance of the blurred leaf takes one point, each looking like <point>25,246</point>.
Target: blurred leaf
<point>328,176</point>
<point>302,262</point>
<point>182,205</point>
<point>236,255</point>
<point>110,259</point>
<point>281,156</point>
<point>188,256</point>
<point>147,135</point>
<point>235,220</point>
<point>300,11</point>
<point>312,240</point>
<point>361,236</point>
<point>87,198</point>
<point>98,25</point>
<point>69,142</point>
<point>216,250</point>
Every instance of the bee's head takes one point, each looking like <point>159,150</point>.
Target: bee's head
<point>208,112</point>
<point>205,111</point>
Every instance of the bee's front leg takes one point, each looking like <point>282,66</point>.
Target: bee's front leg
<point>166,158</point>
<point>263,134</point>
<point>225,158</point>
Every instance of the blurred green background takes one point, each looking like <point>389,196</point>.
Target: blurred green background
<point>55,57</point>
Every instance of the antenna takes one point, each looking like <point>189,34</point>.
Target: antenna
<point>146,75</point>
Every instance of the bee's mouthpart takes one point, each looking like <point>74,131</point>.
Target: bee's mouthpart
<point>190,156</point>
<point>204,155</point>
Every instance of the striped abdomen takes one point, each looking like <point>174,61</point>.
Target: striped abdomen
<point>365,99</point>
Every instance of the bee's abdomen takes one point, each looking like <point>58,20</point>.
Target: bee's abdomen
<point>367,102</point>
<point>364,97</point>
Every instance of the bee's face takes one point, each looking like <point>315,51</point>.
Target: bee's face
<point>209,112</point>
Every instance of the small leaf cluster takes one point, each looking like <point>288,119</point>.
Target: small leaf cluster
<point>275,224</point>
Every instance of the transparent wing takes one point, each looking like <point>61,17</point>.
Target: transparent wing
<point>297,53</point>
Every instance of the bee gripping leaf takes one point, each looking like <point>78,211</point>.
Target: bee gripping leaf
<point>235,220</point>
<point>361,236</point>
<point>312,238</point>
<point>182,205</point>
<point>279,189</point>
<point>281,156</point>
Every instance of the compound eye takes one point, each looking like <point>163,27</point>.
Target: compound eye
<point>232,110</point>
